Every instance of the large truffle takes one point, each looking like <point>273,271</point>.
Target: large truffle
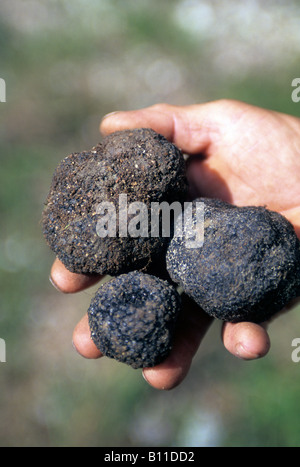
<point>132,319</point>
<point>141,166</point>
<point>248,267</point>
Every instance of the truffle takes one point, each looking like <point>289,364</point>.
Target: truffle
<point>248,267</point>
<point>96,187</point>
<point>132,319</point>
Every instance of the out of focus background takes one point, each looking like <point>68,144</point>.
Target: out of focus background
<point>67,63</point>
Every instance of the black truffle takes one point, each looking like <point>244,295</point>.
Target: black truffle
<point>248,267</point>
<point>132,319</point>
<point>140,165</point>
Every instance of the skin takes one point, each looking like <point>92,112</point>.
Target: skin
<point>239,153</point>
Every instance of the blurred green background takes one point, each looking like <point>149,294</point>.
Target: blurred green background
<point>67,63</point>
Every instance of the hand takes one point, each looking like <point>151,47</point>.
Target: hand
<point>248,156</point>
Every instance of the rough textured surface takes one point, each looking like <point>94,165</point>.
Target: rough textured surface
<point>248,267</point>
<point>139,163</point>
<point>132,319</point>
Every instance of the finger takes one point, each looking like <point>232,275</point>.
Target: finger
<point>69,282</point>
<point>82,341</point>
<point>248,341</point>
<point>189,127</point>
<point>293,215</point>
<point>191,329</point>
<point>159,118</point>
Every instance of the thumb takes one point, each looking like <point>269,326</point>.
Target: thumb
<point>189,127</point>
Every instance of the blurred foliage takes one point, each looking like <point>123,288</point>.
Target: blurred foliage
<point>66,63</point>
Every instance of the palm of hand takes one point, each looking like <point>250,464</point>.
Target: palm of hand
<point>252,159</point>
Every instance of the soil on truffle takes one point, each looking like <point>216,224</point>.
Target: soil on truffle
<point>140,164</point>
<point>248,268</point>
<point>133,317</point>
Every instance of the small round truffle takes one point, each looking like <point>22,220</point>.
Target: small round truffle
<point>248,267</point>
<point>132,319</point>
<point>89,219</point>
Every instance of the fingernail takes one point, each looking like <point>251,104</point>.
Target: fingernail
<point>53,283</point>
<point>145,377</point>
<point>110,114</point>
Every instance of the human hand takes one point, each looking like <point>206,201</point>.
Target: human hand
<point>239,153</point>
